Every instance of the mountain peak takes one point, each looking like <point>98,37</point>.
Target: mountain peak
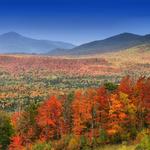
<point>123,37</point>
<point>114,43</point>
<point>12,42</point>
<point>126,35</point>
<point>11,34</point>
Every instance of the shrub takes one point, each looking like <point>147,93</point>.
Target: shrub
<point>141,135</point>
<point>110,86</point>
<point>74,143</point>
<point>62,143</point>
<point>16,143</point>
<point>144,144</point>
<point>115,139</point>
<point>42,146</point>
<point>84,143</point>
<point>103,138</point>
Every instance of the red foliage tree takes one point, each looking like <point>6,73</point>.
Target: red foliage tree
<point>146,99</point>
<point>16,143</point>
<point>126,85</point>
<point>103,100</point>
<point>49,118</point>
<point>81,113</point>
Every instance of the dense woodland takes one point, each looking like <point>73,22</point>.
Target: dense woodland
<point>28,78</point>
<point>82,119</point>
<point>24,79</point>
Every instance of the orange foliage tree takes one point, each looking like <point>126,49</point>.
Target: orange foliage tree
<point>49,119</point>
<point>126,85</point>
<point>81,113</point>
<point>16,143</point>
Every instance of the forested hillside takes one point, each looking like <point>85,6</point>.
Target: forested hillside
<point>83,119</point>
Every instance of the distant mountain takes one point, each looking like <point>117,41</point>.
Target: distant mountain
<point>13,42</point>
<point>114,43</point>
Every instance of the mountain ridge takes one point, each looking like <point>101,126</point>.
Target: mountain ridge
<point>13,42</point>
<point>114,43</point>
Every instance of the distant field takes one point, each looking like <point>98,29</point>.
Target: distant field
<point>29,77</point>
<point>117,147</point>
<point>42,65</point>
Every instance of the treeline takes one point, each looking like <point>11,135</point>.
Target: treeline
<point>84,120</point>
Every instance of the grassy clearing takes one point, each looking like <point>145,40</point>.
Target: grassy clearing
<point>117,147</point>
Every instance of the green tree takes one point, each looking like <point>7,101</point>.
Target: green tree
<point>6,130</point>
<point>110,86</point>
<point>27,126</point>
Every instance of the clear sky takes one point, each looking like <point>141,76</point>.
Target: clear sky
<point>75,21</point>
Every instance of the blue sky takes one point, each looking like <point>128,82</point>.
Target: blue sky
<point>75,21</point>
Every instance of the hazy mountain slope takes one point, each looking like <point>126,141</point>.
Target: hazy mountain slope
<point>115,43</point>
<point>133,58</point>
<point>12,42</point>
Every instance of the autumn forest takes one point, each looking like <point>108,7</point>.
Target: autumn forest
<point>73,104</point>
<point>84,119</point>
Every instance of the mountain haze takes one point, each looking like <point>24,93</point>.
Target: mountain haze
<point>111,44</point>
<point>13,42</point>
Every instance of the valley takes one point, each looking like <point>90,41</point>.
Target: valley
<point>28,78</point>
